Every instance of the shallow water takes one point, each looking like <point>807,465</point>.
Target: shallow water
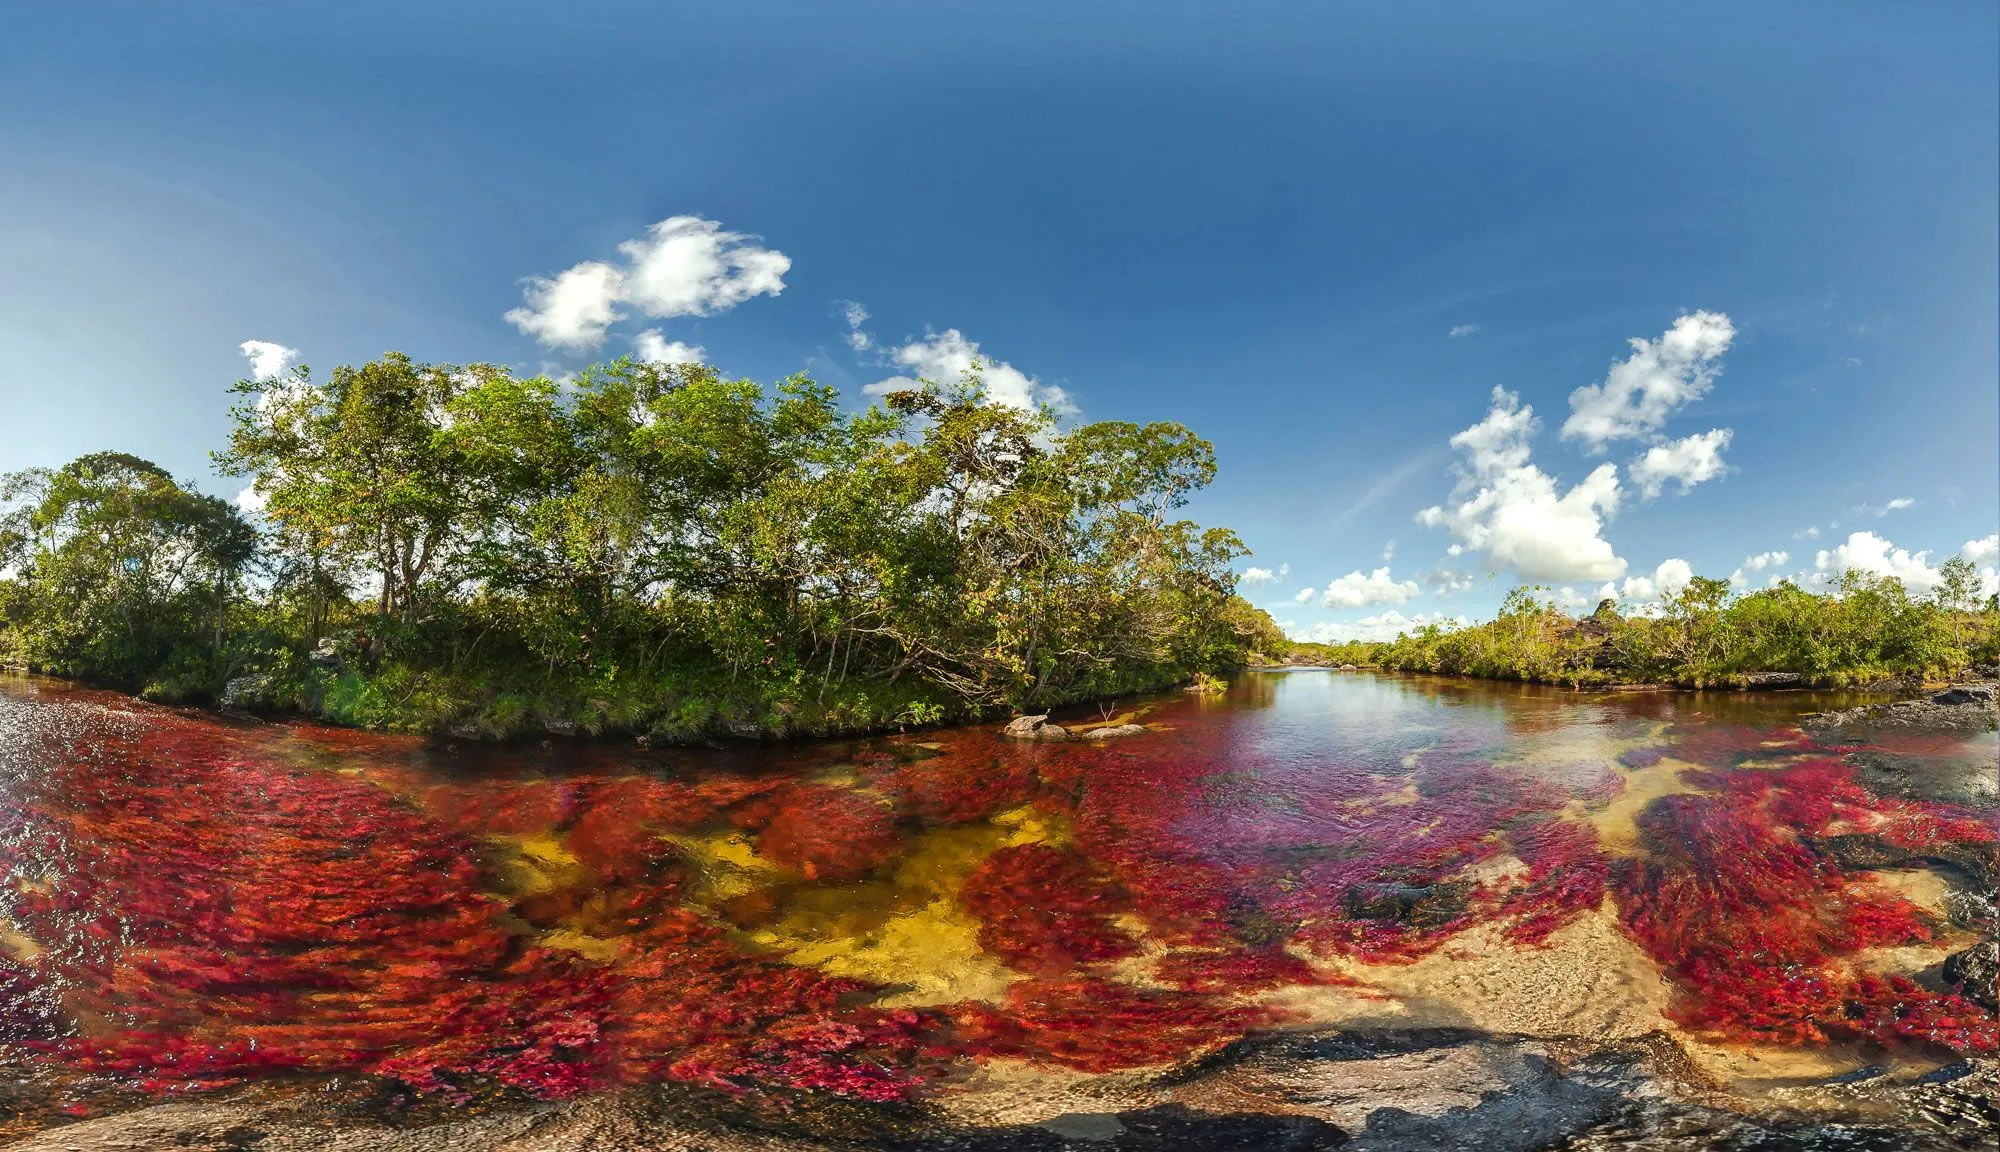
<point>992,929</point>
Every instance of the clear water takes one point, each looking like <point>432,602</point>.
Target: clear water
<point>193,903</point>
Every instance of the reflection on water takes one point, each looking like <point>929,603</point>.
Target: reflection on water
<point>192,903</point>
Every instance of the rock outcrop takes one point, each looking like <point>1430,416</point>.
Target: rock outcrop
<point>1961,708</point>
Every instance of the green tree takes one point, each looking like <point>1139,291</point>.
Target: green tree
<point>121,573</point>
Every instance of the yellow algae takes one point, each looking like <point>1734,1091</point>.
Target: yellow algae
<point>601,949</point>
<point>530,865</point>
<point>1030,825</point>
<point>908,930</point>
<point>931,953</point>
<point>726,865</point>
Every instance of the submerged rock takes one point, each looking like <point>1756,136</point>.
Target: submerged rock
<point>1423,905</point>
<point>1975,973</point>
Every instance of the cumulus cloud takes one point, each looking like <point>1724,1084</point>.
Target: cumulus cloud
<point>1463,330</point>
<point>654,348</point>
<point>1254,577</point>
<point>1660,376</point>
<point>1305,595</point>
<point>1867,552</point>
<point>1984,550</point>
<point>1689,460</point>
<point>268,360</point>
<point>573,309</point>
<point>1758,563</point>
<point>1669,578</point>
<point>1514,512</point>
<point>947,356</point>
<point>1355,590</point>
<point>1386,626</point>
<point>682,266</point>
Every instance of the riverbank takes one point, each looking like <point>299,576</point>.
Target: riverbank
<point>711,715</point>
<point>1362,1091</point>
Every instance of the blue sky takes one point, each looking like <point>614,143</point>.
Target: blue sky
<point>1264,224</point>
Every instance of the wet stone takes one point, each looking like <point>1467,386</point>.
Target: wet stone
<point>1423,905</point>
<point>1975,972</point>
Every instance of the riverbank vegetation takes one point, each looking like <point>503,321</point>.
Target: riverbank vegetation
<point>649,548</point>
<point>1864,629</point>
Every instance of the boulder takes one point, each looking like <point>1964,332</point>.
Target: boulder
<point>1034,728</point>
<point>1967,694</point>
<point>325,654</point>
<point>1115,731</point>
<point>245,693</point>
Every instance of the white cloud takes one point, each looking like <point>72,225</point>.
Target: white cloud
<point>856,316</point>
<point>268,360</point>
<point>1878,510</point>
<point>1355,590</point>
<point>1513,511</point>
<point>683,266</point>
<point>1458,330</point>
<point>1642,390</point>
<point>1669,578</point>
<point>1867,552</point>
<point>1984,550</point>
<point>946,357</point>
<point>572,310</point>
<point>1253,577</point>
<point>1447,582</point>
<point>1740,578</point>
<point>1386,626</point>
<point>1689,460</point>
<point>1305,595</point>
<point>653,348</point>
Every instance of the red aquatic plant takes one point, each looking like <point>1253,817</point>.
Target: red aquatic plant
<point>1567,876</point>
<point>1045,909</point>
<point>1752,923</point>
<point>1097,1026</point>
<point>828,832</point>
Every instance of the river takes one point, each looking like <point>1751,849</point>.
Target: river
<point>1484,891</point>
